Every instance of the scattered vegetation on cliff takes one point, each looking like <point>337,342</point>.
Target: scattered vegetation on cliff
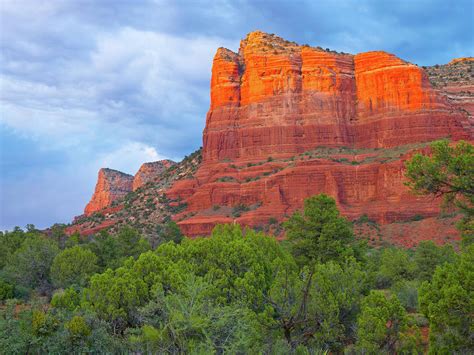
<point>238,291</point>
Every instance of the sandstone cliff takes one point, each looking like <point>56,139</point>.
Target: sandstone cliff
<point>288,121</point>
<point>150,172</point>
<point>335,123</point>
<point>111,186</point>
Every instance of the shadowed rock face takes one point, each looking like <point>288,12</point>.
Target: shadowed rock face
<point>150,172</point>
<point>111,186</point>
<point>277,99</point>
<point>455,81</point>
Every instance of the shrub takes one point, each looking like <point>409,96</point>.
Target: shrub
<point>407,293</point>
<point>6,290</point>
<point>239,209</point>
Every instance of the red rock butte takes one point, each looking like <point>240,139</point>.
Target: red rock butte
<point>289,121</point>
<point>277,99</point>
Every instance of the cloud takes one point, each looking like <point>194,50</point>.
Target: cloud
<point>128,158</point>
<point>86,84</point>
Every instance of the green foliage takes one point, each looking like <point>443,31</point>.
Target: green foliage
<point>131,243</point>
<point>319,234</point>
<point>10,242</point>
<point>115,296</point>
<point>41,332</point>
<point>6,290</point>
<point>43,323</point>
<point>68,299</point>
<point>448,303</point>
<point>78,329</point>
<point>449,173</point>
<point>30,264</point>
<point>380,324</point>
<point>170,232</point>
<point>73,266</point>
<point>316,306</point>
<point>428,255</point>
<point>106,247</point>
<point>395,265</point>
<point>238,291</point>
<point>407,293</point>
<point>189,321</point>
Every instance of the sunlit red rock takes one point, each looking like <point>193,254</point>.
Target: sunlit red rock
<point>277,99</point>
<point>111,186</point>
<point>288,121</point>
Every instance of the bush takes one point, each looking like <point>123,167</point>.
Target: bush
<point>73,266</point>
<point>6,290</point>
<point>239,209</point>
<point>407,293</point>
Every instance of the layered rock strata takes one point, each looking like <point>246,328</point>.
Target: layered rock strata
<point>288,121</point>
<point>111,186</point>
<point>274,102</point>
<point>150,172</point>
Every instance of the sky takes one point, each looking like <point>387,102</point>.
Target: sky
<point>86,84</point>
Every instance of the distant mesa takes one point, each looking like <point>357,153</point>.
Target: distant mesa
<point>112,185</point>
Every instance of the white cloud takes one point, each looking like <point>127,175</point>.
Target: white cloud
<point>128,157</point>
<point>132,80</point>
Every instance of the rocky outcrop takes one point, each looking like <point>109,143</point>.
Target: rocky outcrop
<point>288,121</point>
<point>150,172</point>
<point>455,81</point>
<point>111,186</point>
<point>277,98</point>
<point>274,104</point>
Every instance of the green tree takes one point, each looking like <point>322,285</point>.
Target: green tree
<point>428,256</point>
<point>380,324</point>
<point>169,232</point>
<point>395,265</point>
<point>115,297</point>
<point>239,263</point>
<point>448,303</point>
<point>6,290</point>
<point>30,264</point>
<point>68,299</point>
<point>319,234</point>
<point>131,243</point>
<point>448,172</point>
<point>315,307</point>
<point>58,234</point>
<point>188,321</point>
<point>107,250</point>
<point>9,243</point>
<point>73,266</point>
<point>78,329</point>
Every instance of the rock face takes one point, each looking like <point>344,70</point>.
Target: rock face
<point>277,98</point>
<point>288,121</point>
<point>111,186</point>
<point>150,172</point>
<point>275,105</point>
<point>455,81</point>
